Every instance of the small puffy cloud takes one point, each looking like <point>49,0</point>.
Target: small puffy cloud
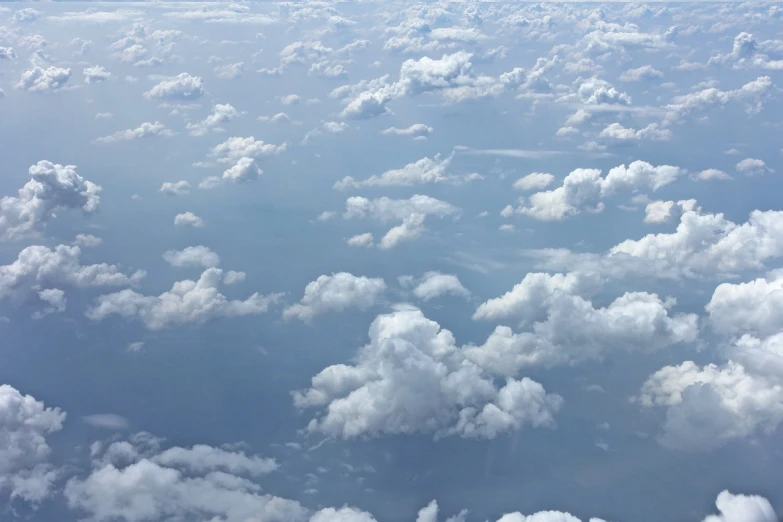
<point>425,170</point>
<point>221,113</point>
<point>25,424</point>
<point>38,268</point>
<point>43,80</point>
<point>96,74</point>
<point>143,131</point>
<point>175,188</point>
<point>417,129</point>
<point>752,167</point>
<point>412,378</point>
<point>653,131</point>
<point>188,302</point>
<point>180,87</point>
<point>53,187</point>
<point>235,148</point>
<point>233,277</point>
<point>435,284</point>
<point>361,240</point>
<point>336,292</point>
<point>641,74</point>
<point>280,117</point>
<point>193,256</point>
<point>87,240</point>
<point>666,211</point>
<point>712,174</point>
<point>55,298</point>
<point>584,189</point>
<point>534,181</point>
<point>188,219</point>
<point>7,53</point>
<point>595,91</point>
<point>245,169</point>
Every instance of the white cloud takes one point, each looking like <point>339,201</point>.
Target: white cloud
<point>245,169</point>
<point>417,129</point>
<point>143,131</point>
<point>575,331</point>
<point>653,131</point>
<point>39,268</point>
<point>135,481</point>
<point>96,74</point>
<point>361,240</point>
<point>56,300</point>
<point>175,188</point>
<point>42,80</point>
<point>221,113</point>
<point>708,406</point>
<point>24,425</point>
<point>53,187</point>
<point>230,71</point>
<point>193,256</point>
<point>534,181</point>
<point>753,94</point>
<point>666,211</point>
<point>752,167</point>
<point>742,508</point>
<point>425,170</point>
<point>584,189</point>
<point>188,219</point>
<point>235,148</point>
<point>336,292</point>
<point>435,284</point>
<point>28,14</point>
<point>180,87</point>
<point>754,307</point>
<point>712,174</point>
<point>233,277</point>
<point>411,378</point>
<point>641,74</point>
<point>87,240</point>
<point>385,209</point>
<point>188,302</point>
<point>703,245</point>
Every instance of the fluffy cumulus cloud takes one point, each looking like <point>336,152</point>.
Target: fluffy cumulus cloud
<point>53,187</point>
<point>665,211</point>
<point>96,74</point>
<point>137,480</point>
<point>573,330</point>
<point>39,270</point>
<point>235,148</point>
<point>423,171</point>
<point>433,285</point>
<point>452,76</point>
<point>336,292</point>
<point>412,212</point>
<point>584,190</point>
<point>193,256</point>
<point>703,244</point>
<point>188,220</point>
<point>534,181</point>
<point>412,378</point>
<point>221,113</point>
<point>143,131</point>
<point>45,80</point>
<point>415,130</point>
<point>752,95</point>
<point>188,302</point>
<point>180,87</point>
<point>25,424</point>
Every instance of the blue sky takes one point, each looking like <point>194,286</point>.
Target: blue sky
<point>381,261</point>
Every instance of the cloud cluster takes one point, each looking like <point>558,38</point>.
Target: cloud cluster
<point>188,302</point>
<point>336,292</point>
<point>412,378</point>
<point>53,187</point>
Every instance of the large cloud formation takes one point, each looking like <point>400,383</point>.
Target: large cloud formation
<point>53,187</point>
